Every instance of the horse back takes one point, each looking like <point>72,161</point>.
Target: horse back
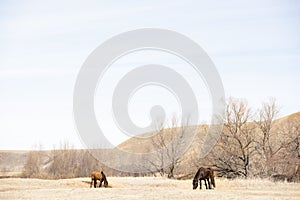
<point>96,175</point>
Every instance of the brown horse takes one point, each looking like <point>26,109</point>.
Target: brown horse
<point>204,174</point>
<point>98,176</point>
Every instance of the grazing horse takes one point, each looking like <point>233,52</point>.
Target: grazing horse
<point>98,176</point>
<point>204,174</point>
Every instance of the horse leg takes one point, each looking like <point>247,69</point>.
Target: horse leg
<point>205,183</point>
<point>209,186</point>
<point>100,183</point>
<point>200,184</point>
<point>95,183</point>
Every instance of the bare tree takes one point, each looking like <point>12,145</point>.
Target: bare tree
<point>168,143</point>
<point>231,156</point>
<point>64,161</point>
<point>288,158</point>
<point>85,164</point>
<point>266,145</point>
<point>174,151</point>
<point>32,167</point>
<point>159,143</point>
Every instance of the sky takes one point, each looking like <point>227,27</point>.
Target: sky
<point>255,46</point>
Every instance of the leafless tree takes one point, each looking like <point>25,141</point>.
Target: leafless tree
<point>268,143</point>
<point>288,159</point>
<point>63,161</point>
<point>168,143</point>
<point>32,167</point>
<point>232,154</point>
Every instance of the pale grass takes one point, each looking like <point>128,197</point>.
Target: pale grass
<point>145,188</point>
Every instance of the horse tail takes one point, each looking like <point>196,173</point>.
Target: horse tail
<point>213,181</point>
<point>212,177</point>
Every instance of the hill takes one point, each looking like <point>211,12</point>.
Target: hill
<point>12,162</point>
<point>144,143</point>
<point>190,161</point>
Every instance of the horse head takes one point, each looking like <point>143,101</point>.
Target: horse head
<point>105,183</point>
<point>195,184</point>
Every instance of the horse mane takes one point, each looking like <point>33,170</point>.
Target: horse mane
<point>197,174</point>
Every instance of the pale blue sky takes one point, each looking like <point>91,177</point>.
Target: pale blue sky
<point>255,46</point>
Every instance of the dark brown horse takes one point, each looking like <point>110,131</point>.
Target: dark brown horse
<point>204,174</point>
<point>98,176</point>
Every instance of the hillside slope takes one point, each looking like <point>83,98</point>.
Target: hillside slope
<point>12,162</point>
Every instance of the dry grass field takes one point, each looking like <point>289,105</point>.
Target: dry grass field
<point>144,188</point>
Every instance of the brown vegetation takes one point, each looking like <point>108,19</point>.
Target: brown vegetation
<point>260,146</point>
<point>252,144</point>
<point>65,162</point>
<point>146,188</point>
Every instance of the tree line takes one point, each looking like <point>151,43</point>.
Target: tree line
<point>257,144</point>
<point>251,144</point>
<point>64,162</point>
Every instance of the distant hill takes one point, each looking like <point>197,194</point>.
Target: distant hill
<point>138,145</point>
<point>12,162</point>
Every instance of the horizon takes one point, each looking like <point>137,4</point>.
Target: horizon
<point>255,47</point>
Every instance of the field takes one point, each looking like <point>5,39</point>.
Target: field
<point>144,188</point>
